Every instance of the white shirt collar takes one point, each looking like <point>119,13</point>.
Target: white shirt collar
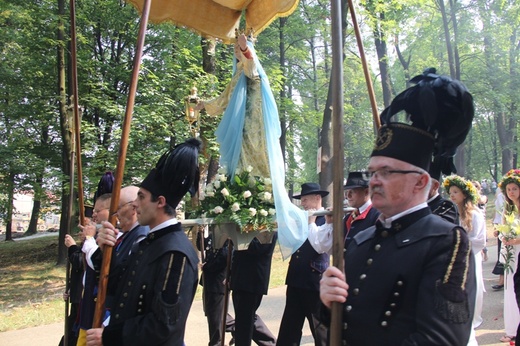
<point>133,226</point>
<point>365,206</point>
<point>387,223</point>
<point>165,224</point>
<point>431,199</point>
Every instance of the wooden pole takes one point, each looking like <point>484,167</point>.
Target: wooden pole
<point>75,151</point>
<point>370,87</point>
<point>107,253</point>
<point>77,123</point>
<point>202,247</point>
<point>337,160</point>
<point>67,270</point>
<point>226,293</point>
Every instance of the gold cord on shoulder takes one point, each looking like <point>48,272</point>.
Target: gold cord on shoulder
<point>170,263</point>
<point>180,275</point>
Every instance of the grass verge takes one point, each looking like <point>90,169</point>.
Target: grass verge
<point>31,285</point>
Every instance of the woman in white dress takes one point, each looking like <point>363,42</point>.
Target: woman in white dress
<point>510,186</point>
<point>464,194</point>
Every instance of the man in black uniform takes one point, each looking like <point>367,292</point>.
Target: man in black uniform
<point>250,271</point>
<point>410,278</point>
<point>75,256</point>
<point>445,208</point>
<point>213,279</point>
<point>157,287</point>
<point>304,274</point>
<point>131,232</point>
<point>365,215</point>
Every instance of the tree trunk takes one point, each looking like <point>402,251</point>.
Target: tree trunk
<point>382,59</point>
<point>460,161</point>
<point>505,137</point>
<point>447,38</point>
<point>381,50</point>
<point>504,116</point>
<point>454,63</point>
<point>209,66</point>
<point>33,223</point>
<point>494,151</point>
<point>35,213</point>
<point>10,207</point>
<point>405,63</point>
<point>208,55</point>
<point>282,108</point>
<point>326,174</point>
<point>454,21</point>
<point>285,123</point>
<point>514,47</point>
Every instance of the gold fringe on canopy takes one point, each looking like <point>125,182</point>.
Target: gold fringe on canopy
<point>218,18</point>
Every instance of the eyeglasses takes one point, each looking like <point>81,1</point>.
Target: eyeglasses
<point>384,173</point>
<point>97,211</point>
<point>122,206</point>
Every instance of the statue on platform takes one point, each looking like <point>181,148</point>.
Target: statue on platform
<point>249,134</point>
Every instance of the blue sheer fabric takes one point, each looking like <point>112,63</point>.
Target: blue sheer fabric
<point>292,221</point>
<point>231,124</point>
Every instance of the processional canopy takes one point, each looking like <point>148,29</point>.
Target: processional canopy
<point>218,18</point>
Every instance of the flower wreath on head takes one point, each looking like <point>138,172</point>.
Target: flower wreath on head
<point>513,176</point>
<point>466,186</point>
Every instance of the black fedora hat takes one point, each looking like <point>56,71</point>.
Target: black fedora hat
<point>311,189</point>
<point>355,180</point>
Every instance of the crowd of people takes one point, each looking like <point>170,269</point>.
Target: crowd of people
<point>412,270</point>
<point>308,264</point>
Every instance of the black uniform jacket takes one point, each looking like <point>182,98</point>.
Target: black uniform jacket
<point>119,257</point>
<point>251,268</point>
<point>411,284</point>
<point>155,291</point>
<point>445,209</point>
<point>363,221</point>
<point>76,273</point>
<point>214,268</point>
<point>122,250</point>
<point>306,265</point>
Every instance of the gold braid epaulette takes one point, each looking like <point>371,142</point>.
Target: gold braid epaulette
<point>170,263</point>
<point>451,299</point>
<point>181,275</point>
<point>454,258</point>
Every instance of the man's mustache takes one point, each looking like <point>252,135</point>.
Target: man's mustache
<point>378,190</point>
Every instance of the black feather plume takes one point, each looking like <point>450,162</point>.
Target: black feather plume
<point>105,185</point>
<point>177,171</point>
<point>440,105</point>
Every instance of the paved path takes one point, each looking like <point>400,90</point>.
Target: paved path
<point>271,311</point>
<point>18,236</point>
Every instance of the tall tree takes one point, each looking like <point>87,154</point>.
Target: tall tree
<point>63,89</point>
<point>378,16</point>
<point>499,80</point>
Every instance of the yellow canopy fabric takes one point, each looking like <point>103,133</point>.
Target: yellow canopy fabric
<point>218,18</point>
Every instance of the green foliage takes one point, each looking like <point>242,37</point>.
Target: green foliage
<point>296,54</point>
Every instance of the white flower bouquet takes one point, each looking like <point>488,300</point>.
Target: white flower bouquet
<point>508,231</point>
<point>243,199</point>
